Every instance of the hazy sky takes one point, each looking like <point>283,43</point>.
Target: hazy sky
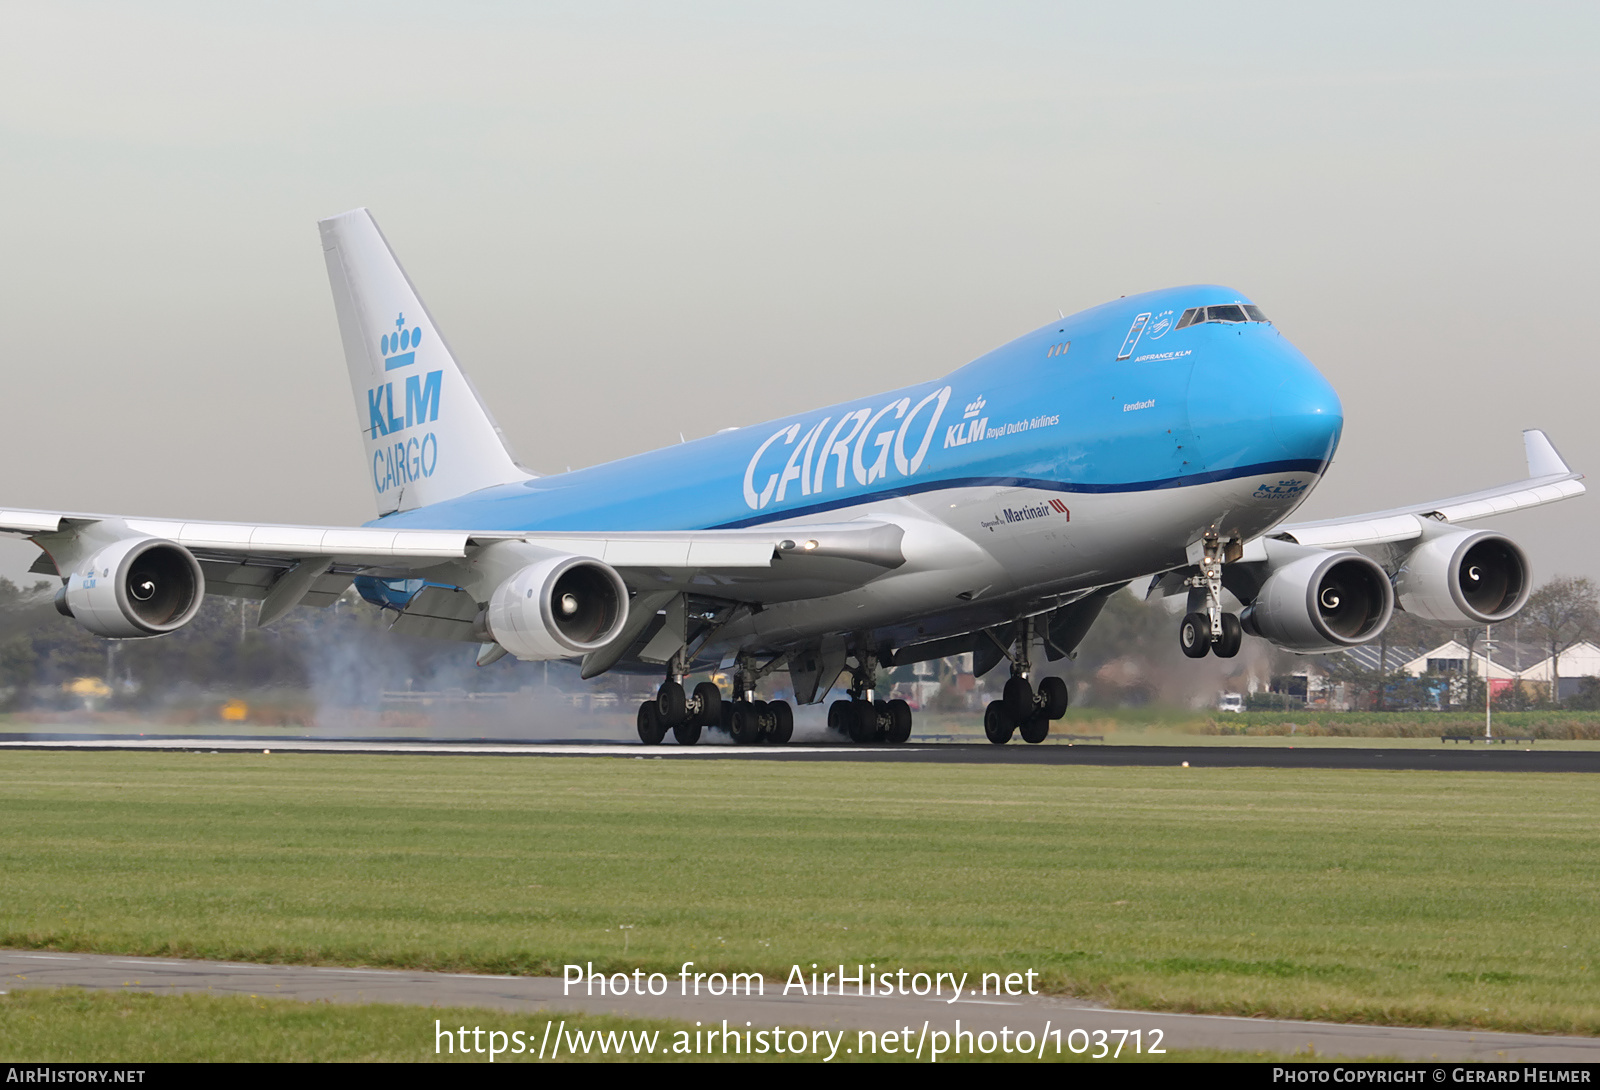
<point>636,220</point>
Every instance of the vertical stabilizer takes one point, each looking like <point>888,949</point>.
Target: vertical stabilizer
<point>427,434</point>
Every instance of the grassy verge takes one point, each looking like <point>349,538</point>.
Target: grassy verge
<point>1452,899</point>
<point>72,1026</point>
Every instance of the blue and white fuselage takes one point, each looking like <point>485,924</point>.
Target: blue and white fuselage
<point>1091,451</point>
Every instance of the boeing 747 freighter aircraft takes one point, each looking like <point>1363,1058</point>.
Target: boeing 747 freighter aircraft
<point>1164,437</point>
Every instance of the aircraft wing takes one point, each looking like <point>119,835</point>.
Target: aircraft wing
<point>1549,479</point>
<point>249,560</point>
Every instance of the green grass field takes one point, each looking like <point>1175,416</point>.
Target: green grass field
<point>1452,899</point>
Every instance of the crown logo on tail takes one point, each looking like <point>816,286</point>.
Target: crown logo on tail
<point>399,347</point>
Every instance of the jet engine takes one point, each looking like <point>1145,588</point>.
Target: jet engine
<point>1464,578</point>
<point>557,608</point>
<point>1322,602</point>
<point>139,586</point>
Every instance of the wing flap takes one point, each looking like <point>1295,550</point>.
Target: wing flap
<point>26,523</point>
<point>440,613</point>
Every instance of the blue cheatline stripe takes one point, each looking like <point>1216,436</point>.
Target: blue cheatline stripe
<point>1296,465</point>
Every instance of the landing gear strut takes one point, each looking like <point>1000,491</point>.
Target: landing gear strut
<point>1205,629</point>
<point>1020,708</point>
<point>862,717</point>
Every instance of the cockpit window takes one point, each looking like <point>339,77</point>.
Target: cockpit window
<point>1227,312</point>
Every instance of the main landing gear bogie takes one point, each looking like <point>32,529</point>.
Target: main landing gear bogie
<point>750,722</point>
<point>864,721</point>
<point>684,714</point>
<point>1021,710</point>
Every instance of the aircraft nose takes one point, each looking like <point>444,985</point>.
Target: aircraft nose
<point>1307,416</point>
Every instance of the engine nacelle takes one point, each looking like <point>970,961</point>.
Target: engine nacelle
<point>1464,578</point>
<point>139,586</point>
<point>1323,602</point>
<point>558,608</point>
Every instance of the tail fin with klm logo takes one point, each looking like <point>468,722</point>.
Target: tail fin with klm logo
<point>427,434</point>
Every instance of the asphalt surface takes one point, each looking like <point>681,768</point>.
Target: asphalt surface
<point>1455,758</point>
<point>544,995</point>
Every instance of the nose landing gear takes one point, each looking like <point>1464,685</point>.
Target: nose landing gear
<point>1205,629</point>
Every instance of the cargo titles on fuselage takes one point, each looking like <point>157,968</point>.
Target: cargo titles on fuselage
<point>816,463</point>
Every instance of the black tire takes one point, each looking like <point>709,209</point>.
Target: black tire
<point>710,698</point>
<point>726,716</point>
<point>671,703</point>
<point>1018,697</point>
<point>1232,637</point>
<point>841,717</point>
<point>863,721</point>
<point>651,732</point>
<point>783,723</point>
<point>1035,729</point>
<point>1054,692</point>
<point>997,723</point>
<point>1194,635</point>
<point>687,734</point>
<point>745,728</point>
<point>899,722</point>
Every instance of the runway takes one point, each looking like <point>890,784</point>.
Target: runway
<point>1498,758</point>
<point>542,995</point>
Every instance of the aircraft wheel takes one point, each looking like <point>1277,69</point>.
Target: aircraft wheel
<point>687,734</point>
<point>783,723</point>
<point>863,722</point>
<point>651,732</point>
<point>671,703</point>
<point>745,728</point>
<point>710,698</point>
<point>882,722</point>
<point>1018,697</point>
<point>997,722</point>
<point>1194,635</point>
<point>1035,729</point>
<point>1054,692</point>
<point>841,717</point>
<point>1232,637</point>
<point>900,722</point>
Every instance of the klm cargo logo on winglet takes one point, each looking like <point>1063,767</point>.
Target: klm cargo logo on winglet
<point>416,457</point>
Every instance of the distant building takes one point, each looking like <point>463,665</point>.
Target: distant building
<point>1512,662</point>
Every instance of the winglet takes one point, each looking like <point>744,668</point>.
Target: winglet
<point>1543,461</point>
